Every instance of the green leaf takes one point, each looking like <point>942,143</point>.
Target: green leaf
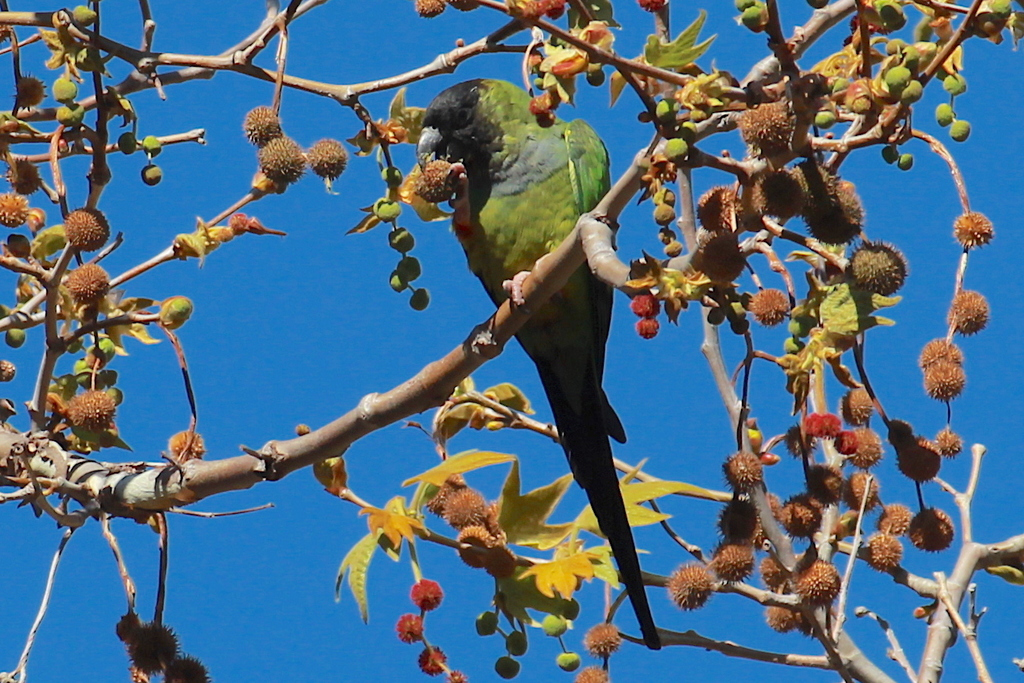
<point>510,396</point>
<point>848,311</point>
<point>410,118</point>
<point>680,52</point>
<point>356,564</point>
<point>604,568</point>
<point>639,492</point>
<point>1007,573</point>
<point>524,517</point>
<point>516,594</point>
<point>467,461</point>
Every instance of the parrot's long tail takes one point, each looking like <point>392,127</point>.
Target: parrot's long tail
<point>584,437</point>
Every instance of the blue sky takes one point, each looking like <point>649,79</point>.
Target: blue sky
<point>295,330</point>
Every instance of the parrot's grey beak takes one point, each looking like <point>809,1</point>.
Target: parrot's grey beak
<point>427,147</point>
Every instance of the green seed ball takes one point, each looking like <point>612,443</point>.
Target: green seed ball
<point>127,143</point>
<point>792,345</point>
<point>570,609</point>
<point>944,114</point>
<point>409,268</point>
<point>596,78</point>
<point>676,150</point>
<point>716,316</point>
<point>890,154</point>
<point>387,210</point>
<point>688,131</point>
<point>71,116</point>
<point>152,174</point>
<point>912,93</point>
<point>86,16</point>
<point>744,4</point>
<point>64,90</point>
<point>665,111</point>
<point>960,130</point>
<point>825,119</point>
<point>753,18</point>
<point>486,623</point>
<point>15,337</point>
<point>516,643</point>
<point>420,299</point>
<point>392,176</point>
<point>116,394</point>
<point>839,85</point>
<point>568,661</point>
<point>954,84</point>
<point>905,162</point>
<point>554,625</point>
<point>401,240</point>
<point>396,282</point>
<point>897,78</point>
<point>506,667</point>
<point>911,57</point>
<point>894,46</point>
<point>151,145</point>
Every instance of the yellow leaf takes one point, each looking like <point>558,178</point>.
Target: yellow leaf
<point>517,593</point>
<point>369,222</point>
<point>562,575</point>
<point>1008,573</point>
<point>393,522</point>
<point>356,564</point>
<point>461,463</point>
<point>639,492</point>
<point>523,518</point>
<point>510,396</point>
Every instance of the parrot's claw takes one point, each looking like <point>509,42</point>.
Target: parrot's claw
<point>514,288</point>
<point>460,202</point>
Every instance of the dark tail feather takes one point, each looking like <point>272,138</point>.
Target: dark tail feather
<point>585,440</point>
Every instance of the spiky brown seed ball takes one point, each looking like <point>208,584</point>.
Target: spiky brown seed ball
<point>86,229</point>
<point>895,519</point>
<point>432,661</point>
<point>801,515</point>
<point>453,483</point>
<point>428,9</point>
<point>818,584</point>
<point>327,158</point>
<point>743,471</point>
<point>464,5</point>
<point>855,489</point>
<point>869,448</point>
<point>773,574</point>
<point>88,284</point>
<point>948,443</point>
<point>501,563</point>
<point>409,628</point>
<point>602,640</point>
<point>465,507</point>
<point>797,442</point>
<point>784,620</point>
<point>7,370</point>
<point>733,561</point>
<point>769,306</point>
<point>939,350</point>
<point>153,647</point>
<point>917,461</point>
<point>24,176</point>
<point>931,530</point>
<point>768,128</point>
<point>825,483</point>
<point>738,520</point>
<point>426,594</point>
<point>884,552</point>
<point>973,229</point>
<point>262,125</point>
<point>435,183</point>
<point>14,210</point>
<point>777,193</point>
<point>968,313</point>
<point>93,410</point>
<point>186,445</point>
<point>478,537</point>
<point>832,210</point>
<point>30,91</point>
<point>592,674</point>
<point>716,208</point>
<point>856,407</point>
<point>878,267</point>
<point>944,380</point>
<point>186,670</point>
<point>282,160</point>
<point>719,257</point>
<point>690,586</point>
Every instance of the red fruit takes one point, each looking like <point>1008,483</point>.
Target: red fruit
<point>426,594</point>
<point>769,459</point>
<point>554,8</point>
<point>410,628</point>
<point>822,425</point>
<point>846,442</point>
<point>653,5</point>
<point>645,305</point>
<point>432,661</point>
<point>648,327</point>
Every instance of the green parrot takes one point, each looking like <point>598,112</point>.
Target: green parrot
<point>526,186</point>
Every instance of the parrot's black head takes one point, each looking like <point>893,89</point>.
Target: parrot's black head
<point>454,127</point>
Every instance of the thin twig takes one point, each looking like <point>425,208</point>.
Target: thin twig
<point>122,568</point>
<point>969,634</point>
<point>213,515</point>
<point>895,651</point>
<point>852,559</point>
<point>161,584</point>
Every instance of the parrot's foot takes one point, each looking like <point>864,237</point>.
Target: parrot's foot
<point>460,202</point>
<point>514,288</point>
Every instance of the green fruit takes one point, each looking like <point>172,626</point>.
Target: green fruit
<point>825,119</point>
<point>106,378</point>
<point>116,394</point>
<point>71,116</point>
<point>792,345</point>
<point>401,240</point>
<point>960,130</point>
<point>954,84</point>
<point>1001,8</point>
<point>801,326</point>
<point>753,18</point>
<point>396,282</point>
<point>516,643</point>
<point>912,93</point>
<point>744,4</point>
<point>894,46</point>
<point>506,667</point>
<point>840,84</point>
<point>174,312</point>
<point>486,623</point>
<point>688,131</point>
<point>905,162</point>
<point>890,154</point>
<point>676,150</point>
<point>568,661</point>
<point>107,349</point>
<point>127,143</point>
<point>19,245</point>
<point>554,625</point>
<point>86,16</point>
<point>817,4</point>
<point>80,367</point>
<point>739,325</point>
<point>75,346</point>
<point>944,114</point>
<point>392,176</point>
<point>570,609</point>
<point>15,337</point>
<point>64,90</point>
<point>897,78</point>
<point>420,299</point>
<point>665,111</point>
<point>596,78</point>
<point>911,57</point>
<point>387,210</point>
<point>891,13</point>
<point>409,268</point>
<point>716,316</point>
<point>152,174</point>
<point>151,145</point>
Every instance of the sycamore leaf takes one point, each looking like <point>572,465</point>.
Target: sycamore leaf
<point>517,593</point>
<point>524,517</point>
<point>616,84</point>
<point>562,575</point>
<point>136,331</point>
<point>636,493</point>
<point>393,522</point>
<point>1008,573</point>
<point>369,222</point>
<point>510,396</point>
<point>848,311</point>
<point>467,461</point>
<point>356,564</point>
<point>680,52</point>
<point>604,568</point>
<point>410,118</point>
